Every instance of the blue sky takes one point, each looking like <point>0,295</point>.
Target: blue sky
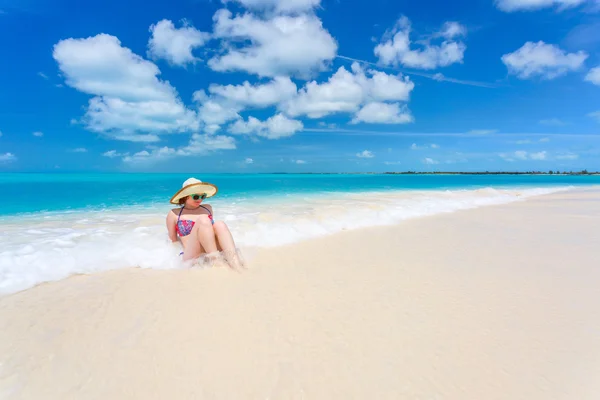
<point>299,85</point>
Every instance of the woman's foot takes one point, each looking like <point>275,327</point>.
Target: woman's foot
<point>234,260</point>
<point>214,259</point>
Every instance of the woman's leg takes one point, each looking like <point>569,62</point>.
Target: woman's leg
<point>202,239</point>
<point>226,244</point>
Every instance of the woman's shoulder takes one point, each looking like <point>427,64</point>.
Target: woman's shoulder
<point>174,212</point>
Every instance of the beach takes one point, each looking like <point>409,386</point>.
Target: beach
<point>496,302</point>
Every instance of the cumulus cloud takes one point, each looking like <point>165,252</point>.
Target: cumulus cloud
<point>249,161</point>
<point>280,6</point>
<point>113,154</point>
<point>7,157</point>
<point>396,47</point>
<point>383,113</point>
<point>200,144</point>
<point>300,162</point>
<point>593,76</point>
<point>247,95</point>
<point>529,5</point>
<point>544,60</point>
<point>38,134</point>
<point>538,156</point>
<point>279,46</point>
<point>175,44</point>
<point>430,161</point>
<point>225,102</point>
<point>365,154</point>
<point>129,99</point>
<point>346,91</point>
<point>79,150</point>
<point>275,127</point>
<point>524,155</point>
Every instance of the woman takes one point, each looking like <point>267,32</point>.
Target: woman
<point>193,224</point>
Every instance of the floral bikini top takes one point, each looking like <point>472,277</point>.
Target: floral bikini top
<point>184,226</point>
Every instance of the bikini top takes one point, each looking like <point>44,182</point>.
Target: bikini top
<point>184,226</point>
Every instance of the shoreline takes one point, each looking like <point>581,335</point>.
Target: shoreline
<point>122,237</point>
<point>497,302</point>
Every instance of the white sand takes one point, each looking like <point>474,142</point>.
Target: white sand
<point>501,302</point>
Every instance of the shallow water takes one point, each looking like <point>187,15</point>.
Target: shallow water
<point>122,224</point>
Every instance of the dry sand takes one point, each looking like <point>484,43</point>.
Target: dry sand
<point>501,302</point>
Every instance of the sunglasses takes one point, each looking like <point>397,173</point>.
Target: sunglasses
<point>199,196</point>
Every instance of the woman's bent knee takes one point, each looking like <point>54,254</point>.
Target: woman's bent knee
<point>203,220</point>
<point>220,225</point>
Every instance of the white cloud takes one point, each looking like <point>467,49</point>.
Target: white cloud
<point>552,122</point>
<point>7,157</point>
<point>278,46</point>
<point>38,134</point>
<point>544,60</point>
<point>79,150</point>
<point>383,113</point>
<point>365,154</point>
<point>43,75</point>
<point>595,114</point>
<point>341,93</point>
<point>567,156</point>
<point>345,91</point>
<point>175,44</point>
<point>529,5</point>
<point>395,47</point>
<point>544,140</point>
<point>249,161</point>
<point>275,127</point>
<point>392,162</point>
<point>129,98</point>
<point>225,102</point>
<point>451,30</point>
<point>281,6</point>
<point>247,95</point>
<point>300,162</point>
<point>199,144</point>
<point>520,155</point>
<point>538,156</point>
<point>415,146</point>
<point>593,76</point>
<point>214,113</point>
<point>430,161</point>
<point>114,153</point>
<point>524,155</point>
<point>482,131</point>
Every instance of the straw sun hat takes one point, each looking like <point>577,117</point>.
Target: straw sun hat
<point>194,186</point>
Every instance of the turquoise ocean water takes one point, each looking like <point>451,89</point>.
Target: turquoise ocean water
<point>26,193</point>
<point>56,225</point>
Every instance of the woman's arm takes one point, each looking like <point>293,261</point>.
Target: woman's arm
<point>171,223</point>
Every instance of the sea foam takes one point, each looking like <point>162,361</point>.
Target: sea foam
<point>51,246</point>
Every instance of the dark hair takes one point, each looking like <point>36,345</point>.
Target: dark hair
<point>183,200</point>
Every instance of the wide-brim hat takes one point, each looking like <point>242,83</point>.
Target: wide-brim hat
<point>194,186</point>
